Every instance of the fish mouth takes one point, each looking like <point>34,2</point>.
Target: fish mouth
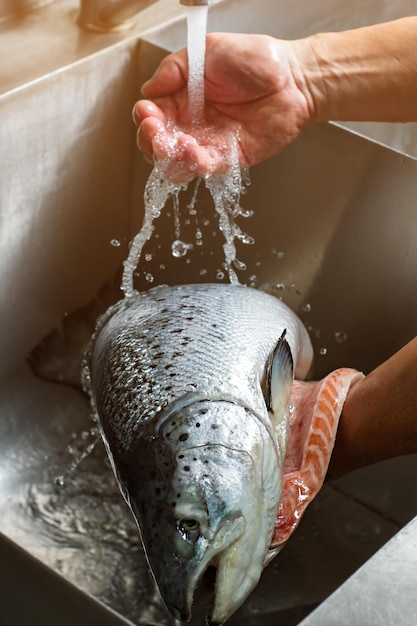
<point>205,592</point>
<point>200,599</point>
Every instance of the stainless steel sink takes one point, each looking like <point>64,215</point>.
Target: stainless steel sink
<point>334,223</point>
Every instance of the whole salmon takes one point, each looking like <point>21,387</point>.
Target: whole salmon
<point>192,386</point>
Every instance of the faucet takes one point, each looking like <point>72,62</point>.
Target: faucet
<point>114,15</point>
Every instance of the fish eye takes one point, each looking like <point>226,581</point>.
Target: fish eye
<point>189,525</point>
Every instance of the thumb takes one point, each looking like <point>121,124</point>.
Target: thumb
<point>171,76</point>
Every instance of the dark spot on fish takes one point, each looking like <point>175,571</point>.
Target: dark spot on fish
<point>205,475</point>
<point>183,437</point>
<point>178,495</point>
<point>203,411</point>
<point>206,462</point>
<point>214,426</point>
<point>178,353</point>
<point>167,435</point>
<point>180,456</point>
<point>168,366</point>
<point>186,468</point>
<point>197,425</point>
<point>194,459</point>
<point>177,330</point>
<point>214,325</point>
<point>172,374</point>
<point>169,388</point>
<point>172,423</point>
<point>174,504</point>
<point>190,318</point>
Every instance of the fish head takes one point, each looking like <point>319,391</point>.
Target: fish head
<point>201,502</point>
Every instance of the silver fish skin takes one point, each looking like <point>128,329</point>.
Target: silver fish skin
<point>191,385</point>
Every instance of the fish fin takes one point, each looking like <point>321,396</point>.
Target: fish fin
<point>301,485</point>
<point>280,374</point>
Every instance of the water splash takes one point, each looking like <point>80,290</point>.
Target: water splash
<point>224,188</point>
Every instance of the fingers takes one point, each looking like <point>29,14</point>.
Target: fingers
<point>144,109</point>
<point>180,155</point>
<point>171,76</point>
<point>148,130</point>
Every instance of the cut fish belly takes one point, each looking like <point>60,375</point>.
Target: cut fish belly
<point>316,410</point>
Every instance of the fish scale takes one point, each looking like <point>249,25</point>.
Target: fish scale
<point>212,362</point>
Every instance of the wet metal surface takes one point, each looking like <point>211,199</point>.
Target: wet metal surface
<point>75,520</point>
<point>383,591</point>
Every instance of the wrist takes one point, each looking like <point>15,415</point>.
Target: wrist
<point>308,75</point>
<point>365,74</point>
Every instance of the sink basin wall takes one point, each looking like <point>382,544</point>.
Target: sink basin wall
<point>62,198</point>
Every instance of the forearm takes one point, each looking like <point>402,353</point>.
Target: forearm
<point>366,74</point>
<point>379,418</point>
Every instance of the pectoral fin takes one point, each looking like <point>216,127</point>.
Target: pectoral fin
<point>280,375</point>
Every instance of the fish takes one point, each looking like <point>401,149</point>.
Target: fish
<point>200,395</point>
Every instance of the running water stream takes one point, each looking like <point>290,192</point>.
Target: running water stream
<point>225,188</point>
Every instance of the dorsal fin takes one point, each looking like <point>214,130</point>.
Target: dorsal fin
<point>280,375</point>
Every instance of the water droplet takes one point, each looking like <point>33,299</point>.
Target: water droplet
<point>162,266</point>
<point>239,264</point>
<point>203,272</point>
<point>278,253</point>
<point>115,242</point>
<point>148,257</point>
<point>280,287</point>
<point>246,239</point>
<point>323,351</point>
<point>59,481</point>
<point>219,275</point>
<point>149,278</point>
<point>306,308</point>
<point>340,336</point>
<point>180,249</point>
